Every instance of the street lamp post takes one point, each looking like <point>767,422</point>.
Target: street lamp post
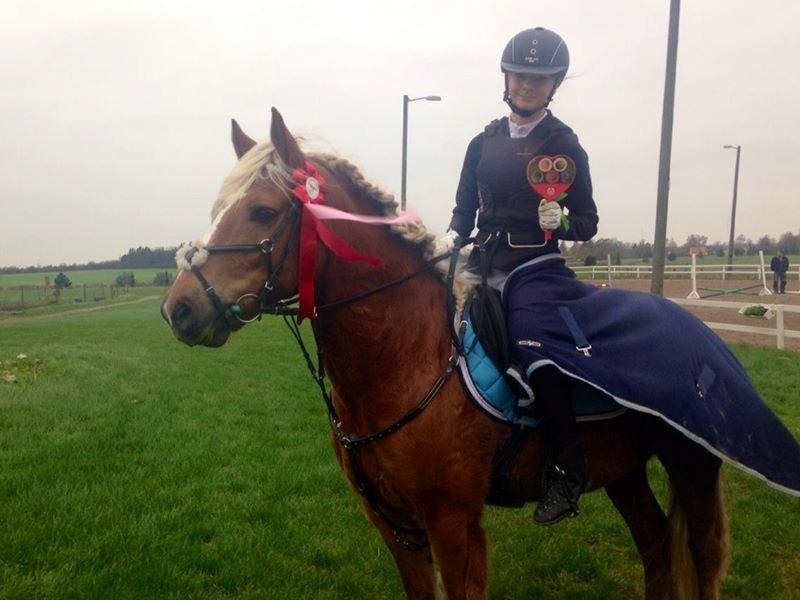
<point>733,209</point>
<point>406,100</point>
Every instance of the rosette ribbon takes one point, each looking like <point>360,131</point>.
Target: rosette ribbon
<point>310,191</point>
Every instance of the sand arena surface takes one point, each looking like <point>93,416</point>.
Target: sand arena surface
<point>680,288</point>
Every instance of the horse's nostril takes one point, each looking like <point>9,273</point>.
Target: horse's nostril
<point>180,314</point>
<point>163,311</point>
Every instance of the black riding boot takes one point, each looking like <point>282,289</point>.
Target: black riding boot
<point>566,471</point>
<point>563,487</point>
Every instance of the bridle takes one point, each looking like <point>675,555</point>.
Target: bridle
<point>268,304</point>
<point>265,297</point>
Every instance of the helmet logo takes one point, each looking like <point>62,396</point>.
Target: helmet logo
<point>532,59</point>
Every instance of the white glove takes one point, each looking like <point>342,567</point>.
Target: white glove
<point>446,242</point>
<point>450,235</point>
<point>549,215</point>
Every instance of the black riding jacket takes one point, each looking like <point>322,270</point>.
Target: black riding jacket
<point>494,185</point>
<point>779,264</point>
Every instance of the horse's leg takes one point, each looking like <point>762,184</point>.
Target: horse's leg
<point>459,545</point>
<point>635,501</point>
<point>416,566</point>
<point>698,508</point>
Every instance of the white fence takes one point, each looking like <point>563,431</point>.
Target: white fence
<point>681,271</point>
<point>780,332</point>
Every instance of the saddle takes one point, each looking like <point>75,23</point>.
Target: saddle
<point>494,384</point>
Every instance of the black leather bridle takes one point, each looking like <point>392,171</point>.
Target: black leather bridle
<point>266,295</point>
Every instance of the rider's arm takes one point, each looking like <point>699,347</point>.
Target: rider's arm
<point>582,209</point>
<point>463,220</point>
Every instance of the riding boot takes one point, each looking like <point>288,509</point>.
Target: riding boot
<point>563,486</point>
<point>566,472</point>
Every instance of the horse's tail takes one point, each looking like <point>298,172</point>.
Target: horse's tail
<point>683,571</point>
<point>698,521</point>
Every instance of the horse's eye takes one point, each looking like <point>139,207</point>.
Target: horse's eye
<point>262,214</point>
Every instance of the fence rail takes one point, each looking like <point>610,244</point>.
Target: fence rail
<point>22,297</point>
<point>679,271</point>
<point>780,332</point>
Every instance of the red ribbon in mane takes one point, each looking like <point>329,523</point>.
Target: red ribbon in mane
<point>310,190</point>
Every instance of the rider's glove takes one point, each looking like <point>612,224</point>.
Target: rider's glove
<point>549,215</point>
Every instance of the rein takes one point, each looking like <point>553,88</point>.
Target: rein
<point>350,441</point>
<point>283,307</point>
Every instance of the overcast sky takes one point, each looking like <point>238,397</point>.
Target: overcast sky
<point>115,115</point>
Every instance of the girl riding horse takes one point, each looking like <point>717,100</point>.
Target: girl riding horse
<point>516,226</point>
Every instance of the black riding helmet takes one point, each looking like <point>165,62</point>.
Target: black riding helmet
<point>539,51</point>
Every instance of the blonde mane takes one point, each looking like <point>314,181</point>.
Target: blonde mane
<point>262,164</point>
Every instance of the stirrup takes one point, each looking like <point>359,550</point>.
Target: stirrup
<point>558,493</point>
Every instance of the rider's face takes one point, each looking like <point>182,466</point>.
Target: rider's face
<point>530,91</point>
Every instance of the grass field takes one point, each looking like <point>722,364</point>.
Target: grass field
<point>87,276</point>
<point>71,299</point>
<point>132,466</point>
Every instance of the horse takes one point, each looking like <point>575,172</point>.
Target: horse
<point>385,343</point>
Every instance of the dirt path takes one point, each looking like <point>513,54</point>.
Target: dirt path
<point>76,311</point>
<point>679,288</point>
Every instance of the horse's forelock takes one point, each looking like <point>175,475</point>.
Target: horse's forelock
<point>260,163</point>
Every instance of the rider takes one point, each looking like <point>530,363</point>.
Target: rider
<point>496,182</point>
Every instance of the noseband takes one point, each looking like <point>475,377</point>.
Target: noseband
<point>265,297</point>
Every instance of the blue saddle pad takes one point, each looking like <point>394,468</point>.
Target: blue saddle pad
<point>490,390</point>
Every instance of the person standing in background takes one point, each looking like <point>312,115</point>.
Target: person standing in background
<point>779,266</point>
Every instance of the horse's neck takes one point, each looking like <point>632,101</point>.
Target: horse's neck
<point>383,352</point>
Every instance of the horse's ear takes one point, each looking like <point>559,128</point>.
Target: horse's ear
<point>241,143</point>
<point>284,143</point>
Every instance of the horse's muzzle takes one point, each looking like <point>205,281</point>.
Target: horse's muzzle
<point>193,328</point>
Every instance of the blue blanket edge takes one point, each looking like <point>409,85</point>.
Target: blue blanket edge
<point>695,438</point>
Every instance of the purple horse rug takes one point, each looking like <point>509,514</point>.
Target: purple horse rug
<point>649,355</point>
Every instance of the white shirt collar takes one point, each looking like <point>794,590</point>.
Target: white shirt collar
<point>521,131</point>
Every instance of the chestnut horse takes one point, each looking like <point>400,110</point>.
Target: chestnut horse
<point>383,353</point>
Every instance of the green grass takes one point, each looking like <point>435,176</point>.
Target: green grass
<point>11,310</point>
<point>132,466</point>
<point>87,276</point>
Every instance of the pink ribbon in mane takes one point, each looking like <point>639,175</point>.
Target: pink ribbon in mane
<point>310,190</point>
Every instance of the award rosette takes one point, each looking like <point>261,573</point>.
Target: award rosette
<point>551,177</point>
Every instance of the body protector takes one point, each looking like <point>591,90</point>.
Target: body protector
<point>494,184</point>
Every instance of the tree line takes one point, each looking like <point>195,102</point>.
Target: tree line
<point>164,257</point>
<point>742,246</point>
<point>135,258</point>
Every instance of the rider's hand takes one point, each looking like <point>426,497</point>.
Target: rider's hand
<point>448,241</point>
<point>549,215</point>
